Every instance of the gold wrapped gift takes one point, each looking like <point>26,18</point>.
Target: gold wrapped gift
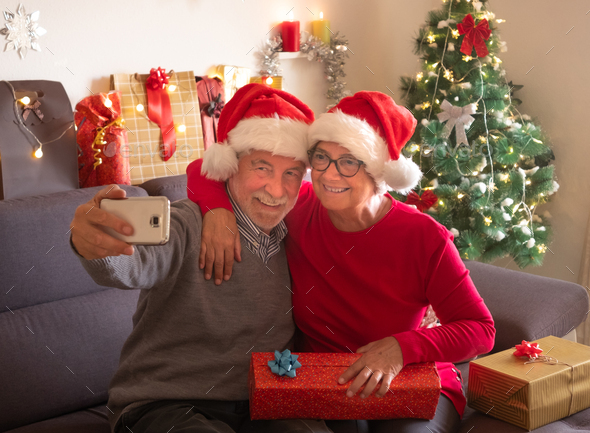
<point>233,78</point>
<point>274,82</point>
<point>530,395</point>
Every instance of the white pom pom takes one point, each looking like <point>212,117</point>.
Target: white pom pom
<point>465,85</point>
<point>499,236</point>
<point>541,229</point>
<point>402,174</point>
<point>506,217</point>
<point>530,243</point>
<point>425,122</point>
<point>507,202</point>
<point>536,219</point>
<point>546,214</point>
<point>220,162</point>
<point>451,46</point>
<point>555,187</point>
<point>442,24</point>
<point>455,232</point>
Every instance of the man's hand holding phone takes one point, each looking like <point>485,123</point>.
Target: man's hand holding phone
<point>88,236</point>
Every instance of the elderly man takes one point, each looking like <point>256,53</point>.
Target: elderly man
<point>185,364</point>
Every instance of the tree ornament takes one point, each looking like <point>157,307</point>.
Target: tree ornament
<point>474,36</point>
<point>423,202</point>
<point>22,31</point>
<point>458,118</point>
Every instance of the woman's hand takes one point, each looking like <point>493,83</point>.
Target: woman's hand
<point>382,360</point>
<point>220,243</point>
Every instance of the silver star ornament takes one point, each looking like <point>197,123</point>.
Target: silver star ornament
<point>22,31</point>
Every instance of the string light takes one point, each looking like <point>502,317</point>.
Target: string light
<point>487,220</point>
<point>500,21</point>
<point>460,195</point>
<point>542,248</point>
<point>139,107</point>
<point>171,88</point>
<point>441,202</point>
<point>414,147</point>
<point>25,100</point>
<point>511,150</point>
<point>431,38</point>
<point>107,102</point>
<point>449,75</point>
<point>528,182</point>
<point>181,128</point>
<point>455,33</point>
<point>419,76</point>
<point>425,105</point>
<point>475,173</point>
<point>38,153</point>
<point>434,65</point>
<point>467,58</point>
<point>269,81</point>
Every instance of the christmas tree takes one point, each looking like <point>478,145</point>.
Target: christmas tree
<point>486,166</point>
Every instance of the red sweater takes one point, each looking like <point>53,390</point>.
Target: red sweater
<point>353,288</point>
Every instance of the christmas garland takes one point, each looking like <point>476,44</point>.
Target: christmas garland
<point>332,56</point>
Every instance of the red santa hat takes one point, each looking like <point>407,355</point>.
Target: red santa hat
<point>258,117</point>
<point>374,129</point>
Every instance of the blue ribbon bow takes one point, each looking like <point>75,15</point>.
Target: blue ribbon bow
<point>284,363</point>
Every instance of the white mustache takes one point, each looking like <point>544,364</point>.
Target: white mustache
<point>270,200</point>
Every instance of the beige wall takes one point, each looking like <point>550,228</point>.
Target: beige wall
<point>130,36</point>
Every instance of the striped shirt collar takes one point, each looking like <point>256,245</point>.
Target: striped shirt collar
<point>259,243</point>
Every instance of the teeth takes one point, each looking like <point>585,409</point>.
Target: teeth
<point>335,189</point>
<point>268,204</point>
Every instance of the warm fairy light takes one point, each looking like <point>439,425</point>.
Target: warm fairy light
<point>449,75</point>
<point>181,128</point>
<point>542,248</point>
<point>419,76</point>
<point>497,59</point>
<point>414,147</point>
<point>437,101</point>
<point>504,177</point>
<point>515,165</point>
<point>427,151</point>
<point>521,156</point>
<point>434,65</point>
<point>528,182</point>
<point>26,100</point>
<point>541,194</point>
<point>139,107</point>
<point>511,150</point>
<point>38,153</point>
<point>500,21</point>
<point>269,81</point>
<point>431,38</point>
<point>171,88</point>
<point>440,174</point>
<point>467,58</point>
<point>460,195</point>
<point>455,33</point>
<point>515,208</point>
<point>532,206</point>
<point>107,102</point>
<point>321,15</point>
<point>475,173</point>
<point>441,202</point>
<point>487,220</point>
<point>537,141</point>
<point>425,105</point>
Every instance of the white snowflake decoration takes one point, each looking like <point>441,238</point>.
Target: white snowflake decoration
<point>22,31</point>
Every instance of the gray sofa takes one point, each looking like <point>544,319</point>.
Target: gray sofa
<point>61,334</point>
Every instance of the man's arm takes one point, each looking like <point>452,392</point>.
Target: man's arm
<point>104,257</point>
<point>220,240</point>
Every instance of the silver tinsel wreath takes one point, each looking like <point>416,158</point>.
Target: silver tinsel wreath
<point>332,56</point>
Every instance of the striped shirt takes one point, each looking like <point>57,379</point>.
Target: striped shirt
<point>259,243</point>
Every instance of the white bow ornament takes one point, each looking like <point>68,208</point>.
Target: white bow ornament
<point>458,118</point>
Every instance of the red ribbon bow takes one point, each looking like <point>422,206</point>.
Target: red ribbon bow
<point>157,79</point>
<point>160,110</point>
<point>424,202</point>
<point>531,350</point>
<point>474,36</point>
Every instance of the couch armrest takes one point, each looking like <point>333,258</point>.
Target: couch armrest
<point>173,187</point>
<point>526,306</point>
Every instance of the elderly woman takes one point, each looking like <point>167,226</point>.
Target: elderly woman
<point>365,266</point>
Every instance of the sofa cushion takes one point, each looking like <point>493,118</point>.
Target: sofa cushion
<point>35,254</point>
<point>173,187</point>
<point>93,420</point>
<point>526,306</point>
<point>59,357</point>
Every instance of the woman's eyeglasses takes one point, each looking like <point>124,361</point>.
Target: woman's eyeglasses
<point>346,165</point>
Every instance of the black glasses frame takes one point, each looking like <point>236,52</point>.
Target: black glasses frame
<point>310,154</point>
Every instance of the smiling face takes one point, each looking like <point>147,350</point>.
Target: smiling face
<point>336,192</point>
<point>266,187</point>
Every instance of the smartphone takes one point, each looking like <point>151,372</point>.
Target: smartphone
<point>149,217</point>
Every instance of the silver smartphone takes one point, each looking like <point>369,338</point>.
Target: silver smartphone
<point>149,217</point>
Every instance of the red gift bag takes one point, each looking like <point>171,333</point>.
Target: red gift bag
<point>314,393</point>
<point>103,153</point>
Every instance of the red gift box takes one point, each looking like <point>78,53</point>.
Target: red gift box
<point>314,393</point>
<point>102,139</point>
